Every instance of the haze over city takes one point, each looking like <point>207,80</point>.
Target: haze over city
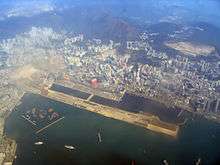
<point>109,82</point>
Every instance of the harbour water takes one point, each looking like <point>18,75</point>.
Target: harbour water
<point>121,143</point>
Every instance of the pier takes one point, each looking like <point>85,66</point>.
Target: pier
<point>147,121</point>
<point>50,125</point>
<point>28,120</point>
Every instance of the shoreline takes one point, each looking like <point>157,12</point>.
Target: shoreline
<point>8,146</point>
<point>150,122</point>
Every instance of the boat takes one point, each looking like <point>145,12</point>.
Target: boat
<point>70,147</point>
<point>38,143</point>
<point>199,161</point>
<point>99,137</point>
<point>132,162</point>
<point>165,162</point>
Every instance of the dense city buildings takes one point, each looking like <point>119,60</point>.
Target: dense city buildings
<point>186,80</point>
<point>109,82</point>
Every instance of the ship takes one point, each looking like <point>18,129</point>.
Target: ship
<point>99,137</point>
<point>70,147</point>
<point>38,143</point>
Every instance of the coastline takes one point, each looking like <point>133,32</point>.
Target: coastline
<point>147,121</point>
<point>113,135</point>
<point>8,146</point>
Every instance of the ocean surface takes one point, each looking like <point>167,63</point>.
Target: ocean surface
<point>121,144</point>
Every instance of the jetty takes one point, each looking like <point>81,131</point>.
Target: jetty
<point>50,125</point>
<point>27,119</point>
<point>150,122</point>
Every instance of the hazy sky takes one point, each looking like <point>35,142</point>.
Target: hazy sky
<point>147,10</point>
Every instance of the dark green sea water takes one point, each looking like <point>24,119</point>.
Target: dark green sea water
<point>121,142</point>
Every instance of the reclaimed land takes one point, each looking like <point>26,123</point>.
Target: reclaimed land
<point>147,121</point>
